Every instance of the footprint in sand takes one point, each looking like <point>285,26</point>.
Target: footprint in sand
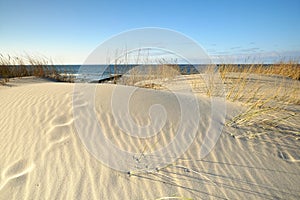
<point>59,120</point>
<point>61,128</point>
<point>62,119</point>
<point>16,174</point>
<point>59,133</point>
<point>57,136</point>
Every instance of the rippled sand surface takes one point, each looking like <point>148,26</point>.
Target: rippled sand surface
<point>43,157</point>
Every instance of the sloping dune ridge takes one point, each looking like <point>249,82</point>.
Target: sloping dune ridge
<point>43,157</point>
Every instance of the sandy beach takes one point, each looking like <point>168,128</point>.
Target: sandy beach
<point>149,100</point>
<point>43,157</point>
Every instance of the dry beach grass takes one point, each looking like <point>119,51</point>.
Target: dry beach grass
<point>27,65</point>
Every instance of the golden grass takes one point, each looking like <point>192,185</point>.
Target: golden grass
<point>290,69</point>
<point>267,100</point>
<point>20,66</point>
<point>149,76</point>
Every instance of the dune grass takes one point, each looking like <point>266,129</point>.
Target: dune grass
<point>27,65</point>
<point>150,76</point>
<point>267,92</point>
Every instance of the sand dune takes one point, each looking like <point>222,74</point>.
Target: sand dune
<point>43,155</point>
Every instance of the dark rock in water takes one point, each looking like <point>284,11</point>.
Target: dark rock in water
<point>113,77</point>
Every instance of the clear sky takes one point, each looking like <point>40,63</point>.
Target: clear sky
<point>68,31</point>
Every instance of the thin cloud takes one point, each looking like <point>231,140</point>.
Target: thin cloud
<point>222,52</point>
<point>211,50</point>
<point>237,47</point>
<point>254,49</point>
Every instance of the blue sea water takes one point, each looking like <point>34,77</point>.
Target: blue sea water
<point>90,73</point>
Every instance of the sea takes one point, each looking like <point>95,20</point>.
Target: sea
<point>93,73</point>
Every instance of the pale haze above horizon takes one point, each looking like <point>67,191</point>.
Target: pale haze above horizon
<point>229,31</point>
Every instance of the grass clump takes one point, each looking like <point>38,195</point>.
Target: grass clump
<point>21,66</point>
<point>150,76</point>
<point>268,92</point>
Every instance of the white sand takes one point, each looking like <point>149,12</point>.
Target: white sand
<point>42,156</point>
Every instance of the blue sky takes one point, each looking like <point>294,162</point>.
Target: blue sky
<point>68,31</point>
